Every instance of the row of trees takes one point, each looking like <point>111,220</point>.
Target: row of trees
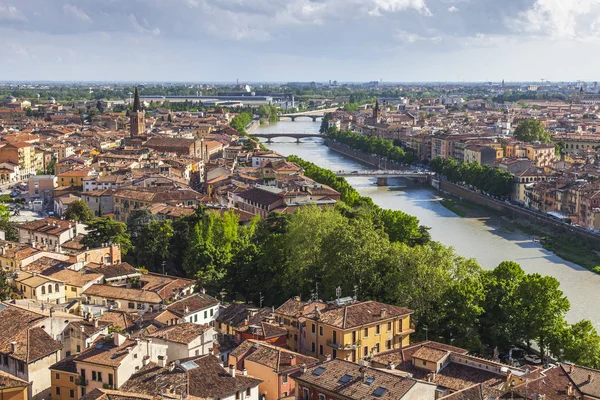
<point>483,177</point>
<point>370,145</point>
<point>363,250</point>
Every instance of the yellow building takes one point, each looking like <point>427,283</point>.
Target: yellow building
<point>12,388</point>
<point>288,314</point>
<point>63,376</point>
<point>73,177</point>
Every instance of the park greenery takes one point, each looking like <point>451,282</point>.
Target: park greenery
<point>78,211</point>
<point>384,148</point>
<point>240,121</point>
<point>532,130</point>
<point>482,177</point>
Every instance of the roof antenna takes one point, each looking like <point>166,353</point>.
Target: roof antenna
<point>355,292</point>
<point>338,292</point>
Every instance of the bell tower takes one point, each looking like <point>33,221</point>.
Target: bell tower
<point>137,123</point>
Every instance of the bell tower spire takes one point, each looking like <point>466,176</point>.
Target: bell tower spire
<point>137,123</point>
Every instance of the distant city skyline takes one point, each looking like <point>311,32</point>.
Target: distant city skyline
<point>302,40</point>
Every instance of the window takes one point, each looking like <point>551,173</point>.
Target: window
<point>94,375</point>
<point>73,289</point>
<point>314,347</point>
<point>82,391</point>
<point>322,396</point>
<point>212,312</point>
<point>320,331</point>
<point>237,395</point>
<point>389,328</point>
<point>353,336</point>
<point>334,354</point>
<point>314,329</point>
<point>424,362</point>
<point>56,289</point>
<point>197,352</point>
<point>376,348</point>
<point>21,366</point>
<point>321,349</point>
<point>100,375</point>
<point>205,314</point>
<point>78,348</point>
<point>285,379</point>
<point>196,318</point>
<point>366,333</point>
<point>305,394</point>
<point>71,379</point>
<point>5,360</point>
<point>377,330</point>
<point>388,344</point>
<point>57,375</point>
<point>49,288</point>
<point>131,305</point>
<point>110,379</point>
<point>57,390</point>
<point>72,393</point>
<point>248,392</point>
<point>43,290</point>
<point>366,351</point>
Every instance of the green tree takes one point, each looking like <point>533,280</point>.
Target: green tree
<point>78,211</point>
<point>107,230</point>
<point>578,343</point>
<point>532,130</point>
<point>542,309</point>
<point>138,220</point>
<point>152,245</point>
<point>11,232</point>
<point>5,288</point>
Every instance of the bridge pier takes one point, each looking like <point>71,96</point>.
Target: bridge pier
<point>293,119</point>
<point>269,140</point>
<point>297,140</point>
<point>382,181</point>
<point>314,118</point>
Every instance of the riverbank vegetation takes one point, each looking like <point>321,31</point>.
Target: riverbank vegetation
<point>453,206</point>
<point>483,177</point>
<point>367,252</point>
<point>370,145</point>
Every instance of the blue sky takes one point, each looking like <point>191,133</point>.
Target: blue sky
<point>299,40</point>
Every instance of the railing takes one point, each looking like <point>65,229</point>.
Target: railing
<point>340,346</point>
<point>81,381</point>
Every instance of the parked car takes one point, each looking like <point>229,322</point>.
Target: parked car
<point>533,358</point>
<point>14,194</point>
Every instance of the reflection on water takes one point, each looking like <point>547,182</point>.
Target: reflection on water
<point>479,238</point>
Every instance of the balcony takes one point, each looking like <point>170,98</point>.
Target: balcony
<point>81,381</point>
<point>340,346</point>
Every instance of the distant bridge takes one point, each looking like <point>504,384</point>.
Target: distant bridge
<point>314,115</point>
<point>383,175</point>
<point>297,136</point>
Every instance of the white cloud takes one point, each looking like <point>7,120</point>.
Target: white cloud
<point>453,9</point>
<point>10,13</point>
<point>380,7</point>
<point>75,12</point>
<point>559,19</point>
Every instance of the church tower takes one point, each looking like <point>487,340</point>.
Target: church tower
<point>377,112</point>
<point>137,124</point>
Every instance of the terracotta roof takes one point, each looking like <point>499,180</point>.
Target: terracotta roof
<point>20,326</point>
<point>405,354</point>
<point>8,381</point>
<point>106,353</point>
<point>71,277</point>
<point>430,354</point>
<point>119,319</point>
<point>295,308</point>
<point>363,313</point>
<point>65,365</point>
<point>185,332</point>
<point>276,358</point>
<point>116,270</point>
<point>194,303</point>
<point>51,226</point>
<point>580,377</point>
<point>477,392</point>
<point>345,379</point>
<point>120,293</point>
<point>105,394</point>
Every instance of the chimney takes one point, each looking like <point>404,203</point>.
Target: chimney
<point>570,368</point>
<point>328,357</point>
<point>118,339</point>
<point>293,360</point>
<point>95,322</point>
<point>82,328</point>
<point>570,389</point>
<point>203,291</point>
<point>383,312</point>
<point>13,346</point>
<point>186,310</point>
<point>162,361</point>
<point>392,365</point>
<point>362,371</point>
<point>590,378</point>
<point>146,360</point>
<point>244,372</point>
<point>232,370</point>
<point>303,368</point>
<point>171,366</point>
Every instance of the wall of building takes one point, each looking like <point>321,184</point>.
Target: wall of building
<point>66,382</point>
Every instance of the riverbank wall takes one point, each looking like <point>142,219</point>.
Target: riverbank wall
<point>368,159</point>
<point>252,126</point>
<point>515,212</point>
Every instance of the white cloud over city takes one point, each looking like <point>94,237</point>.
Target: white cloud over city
<point>282,40</point>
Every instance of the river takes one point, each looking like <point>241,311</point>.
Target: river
<point>481,238</point>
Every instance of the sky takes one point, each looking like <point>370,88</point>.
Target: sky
<point>299,40</point>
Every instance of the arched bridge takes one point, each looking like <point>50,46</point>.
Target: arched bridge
<point>297,136</point>
<point>383,175</point>
<point>314,115</point>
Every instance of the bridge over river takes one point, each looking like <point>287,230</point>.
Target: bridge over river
<point>383,175</point>
<point>297,135</point>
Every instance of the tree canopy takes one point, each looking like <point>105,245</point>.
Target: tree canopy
<point>102,231</point>
<point>78,211</point>
<point>532,130</point>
